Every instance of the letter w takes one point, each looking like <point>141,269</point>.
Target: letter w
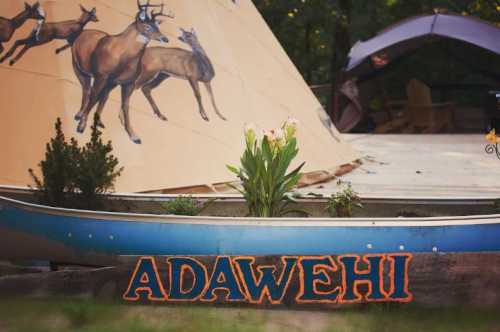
<point>265,284</point>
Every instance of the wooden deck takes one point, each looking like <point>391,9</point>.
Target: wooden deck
<point>409,166</point>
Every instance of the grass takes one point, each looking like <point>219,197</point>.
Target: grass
<point>86,316</point>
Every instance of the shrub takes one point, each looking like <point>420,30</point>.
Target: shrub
<point>73,176</point>
<point>184,206</point>
<point>58,170</point>
<point>266,185</point>
<point>97,168</point>
<point>341,204</point>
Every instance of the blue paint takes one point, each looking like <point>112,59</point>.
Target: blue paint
<point>400,289</point>
<point>314,271</point>
<point>145,282</point>
<point>177,275</point>
<point>316,279</point>
<point>263,280</point>
<point>223,277</point>
<point>163,238</point>
<point>372,276</point>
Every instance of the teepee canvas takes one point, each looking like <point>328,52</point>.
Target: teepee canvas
<point>173,133</point>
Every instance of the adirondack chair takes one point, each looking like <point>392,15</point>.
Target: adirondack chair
<point>420,114</point>
<point>424,115</point>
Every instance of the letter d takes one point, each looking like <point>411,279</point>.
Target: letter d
<point>179,266</point>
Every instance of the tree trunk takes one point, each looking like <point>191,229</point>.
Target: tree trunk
<point>307,59</point>
<point>340,49</point>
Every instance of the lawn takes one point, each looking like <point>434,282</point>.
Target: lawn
<point>83,315</point>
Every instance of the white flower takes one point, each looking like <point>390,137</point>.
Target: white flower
<point>292,122</point>
<point>270,135</point>
<point>279,134</point>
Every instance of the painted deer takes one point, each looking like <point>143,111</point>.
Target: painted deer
<point>113,60</point>
<point>46,32</point>
<point>160,63</point>
<point>9,26</point>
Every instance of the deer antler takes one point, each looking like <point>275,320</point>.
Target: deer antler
<point>154,15</point>
<point>144,8</point>
<point>147,5</point>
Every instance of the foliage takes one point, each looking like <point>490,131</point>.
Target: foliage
<point>265,161</point>
<point>58,170</point>
<point>185,206</point>
<point>315,32</point>
<point>36,315</point>
<point>305,29</point>
<point>97,168</point>
<point>69,170</point>
<point>341,204</point>
<point>79,313</point>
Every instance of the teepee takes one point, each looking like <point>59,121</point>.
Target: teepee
<point>252,79</point>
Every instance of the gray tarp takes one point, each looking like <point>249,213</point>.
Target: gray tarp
<point>411,33</point>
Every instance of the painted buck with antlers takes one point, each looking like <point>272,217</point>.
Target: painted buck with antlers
<point>114,60</point>
<point>46,32</point>
<point>9,26</point>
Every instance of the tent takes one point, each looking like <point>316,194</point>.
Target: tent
<point>413,33</point>
<point>254,82</point>
<point>370,58</point>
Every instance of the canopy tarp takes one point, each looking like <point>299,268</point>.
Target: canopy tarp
<point>414,32</point>
<point>254,82</point>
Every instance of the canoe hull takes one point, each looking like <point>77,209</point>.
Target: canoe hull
<point>58,234</point>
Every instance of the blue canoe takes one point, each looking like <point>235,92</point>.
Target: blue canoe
<point>29,231</point>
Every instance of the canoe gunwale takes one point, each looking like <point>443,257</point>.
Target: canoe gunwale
<point>245,221</point>
<point>239,198</point>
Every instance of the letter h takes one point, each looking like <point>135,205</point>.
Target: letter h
<point>372,276</point>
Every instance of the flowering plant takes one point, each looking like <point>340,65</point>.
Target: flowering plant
<point>493,140</point>
<point>492,137</point>
<point>266,185</point>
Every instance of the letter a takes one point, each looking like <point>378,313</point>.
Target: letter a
<point>145,279</point>
<point>223,277</point>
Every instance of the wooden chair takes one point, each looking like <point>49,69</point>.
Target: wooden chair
<point>424,115</point>
<point>420,114</point>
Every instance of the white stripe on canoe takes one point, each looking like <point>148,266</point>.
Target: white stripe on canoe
<point>239,221</point>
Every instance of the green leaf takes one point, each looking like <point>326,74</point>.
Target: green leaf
<point>263,174</point>
<point>233,169</point>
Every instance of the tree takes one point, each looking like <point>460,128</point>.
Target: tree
<point>97,168</point>
<point>58,170</point>
<point>317,35</point>
<point>74,177</point>
<point>305,30</point>
<point>340,51</point>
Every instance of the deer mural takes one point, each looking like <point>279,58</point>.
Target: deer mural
<point>9,26</point>
<point>46,32</point>
<point>113,60</point>
<point>160,63</point>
